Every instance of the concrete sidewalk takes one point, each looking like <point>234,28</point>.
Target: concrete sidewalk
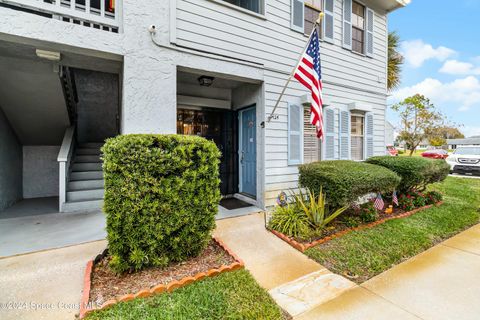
<point>45,285</point>
<point>296,282</point>
<point>440,283</point>
<point>28,234</point>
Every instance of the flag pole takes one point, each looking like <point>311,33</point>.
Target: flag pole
<point>269,118</point>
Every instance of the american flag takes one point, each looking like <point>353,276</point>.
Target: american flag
<point>395,198</point>
<point>308,73</point>
<point>379,203</point>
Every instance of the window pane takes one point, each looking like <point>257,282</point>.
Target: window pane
<point>357,148</point>
<point>315,3</point>
<point>358,16</point>
<point>252,5</point>
<point>356,126</point>
<point>311,15</point>
<point>358,9</point>
<point>357,138</point>
<point>311,144</point>
<point>358,40</point>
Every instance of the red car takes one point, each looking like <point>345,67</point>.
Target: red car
<point>435,154</point>
<point>391,150</point>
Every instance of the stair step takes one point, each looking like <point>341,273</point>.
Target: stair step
<point>86,175</point>
<point>92,205</point>
<point>85,185</point>
<point>85,195</point>
<point>88,151</point>
<point>87,158</point>
<point>87,166</point>
<point>95,145</point>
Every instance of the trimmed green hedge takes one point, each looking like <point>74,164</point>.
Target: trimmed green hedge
<point>416,172</point>
<point>438,171</point>
<point>161,198</point>
<point>345,181</point>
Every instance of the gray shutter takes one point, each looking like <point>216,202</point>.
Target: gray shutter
<point>344,135</point>
<point>369,147</point>
<point>347,24</point>
<point>328,21</point>
<point>295,139</point>
<point>369,33</point>
<point>298,12</point>
<point>329,126</point>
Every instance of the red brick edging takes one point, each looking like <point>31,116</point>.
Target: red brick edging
<point>302,247</point>
<point>85,308</point>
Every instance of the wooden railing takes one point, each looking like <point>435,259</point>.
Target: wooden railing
<point>99,14</point>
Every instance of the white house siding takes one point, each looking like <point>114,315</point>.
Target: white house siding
<point>348,77</point>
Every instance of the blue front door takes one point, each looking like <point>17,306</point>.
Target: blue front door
<point>248,152</point>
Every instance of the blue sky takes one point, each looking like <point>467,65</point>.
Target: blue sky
<point>441,46</point>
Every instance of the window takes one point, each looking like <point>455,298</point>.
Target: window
<point>252,5</point>
<point>358,27</point>
<point>311,144</point>
<point>312,10</point>
<point>357,136</point>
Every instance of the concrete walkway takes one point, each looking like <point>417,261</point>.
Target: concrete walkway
<point>35,224</point>
<point>440,283</point>
<point>45,285</point>
<point>49,231</point>
<point>296,283</point>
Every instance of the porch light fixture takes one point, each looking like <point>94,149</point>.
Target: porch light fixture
<point>49,55</point>
<point>205,81</point>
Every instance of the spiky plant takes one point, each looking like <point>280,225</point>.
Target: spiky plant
<point>395,61</point>
<point>315,208</point>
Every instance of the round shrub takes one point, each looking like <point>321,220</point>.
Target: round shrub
<point>437,172</point>
<point>161,198</point>
<point>345,181</point>
<point>416,172</point>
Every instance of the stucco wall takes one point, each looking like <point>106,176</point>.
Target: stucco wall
<point>40,171</point>
<point>10,165</point>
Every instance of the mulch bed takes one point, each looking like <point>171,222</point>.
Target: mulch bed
<point>338,228</point>
<point>106,285</point>
<point>338,225</point>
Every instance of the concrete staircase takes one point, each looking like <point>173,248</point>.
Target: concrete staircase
<point>85,185</point>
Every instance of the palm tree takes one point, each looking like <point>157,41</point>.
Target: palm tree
<point>395,61</point>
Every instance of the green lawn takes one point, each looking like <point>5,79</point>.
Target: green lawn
<point>417,153</point>
<point>369,252</point>
<point>231,295</point>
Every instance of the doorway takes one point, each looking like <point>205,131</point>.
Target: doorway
<point>247,152</point>
<point>219,126</point>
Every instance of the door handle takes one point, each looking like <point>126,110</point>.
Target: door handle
<point>242,156</point>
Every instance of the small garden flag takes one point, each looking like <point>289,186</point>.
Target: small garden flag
<point>395,198</point>
<point>379,203</point>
